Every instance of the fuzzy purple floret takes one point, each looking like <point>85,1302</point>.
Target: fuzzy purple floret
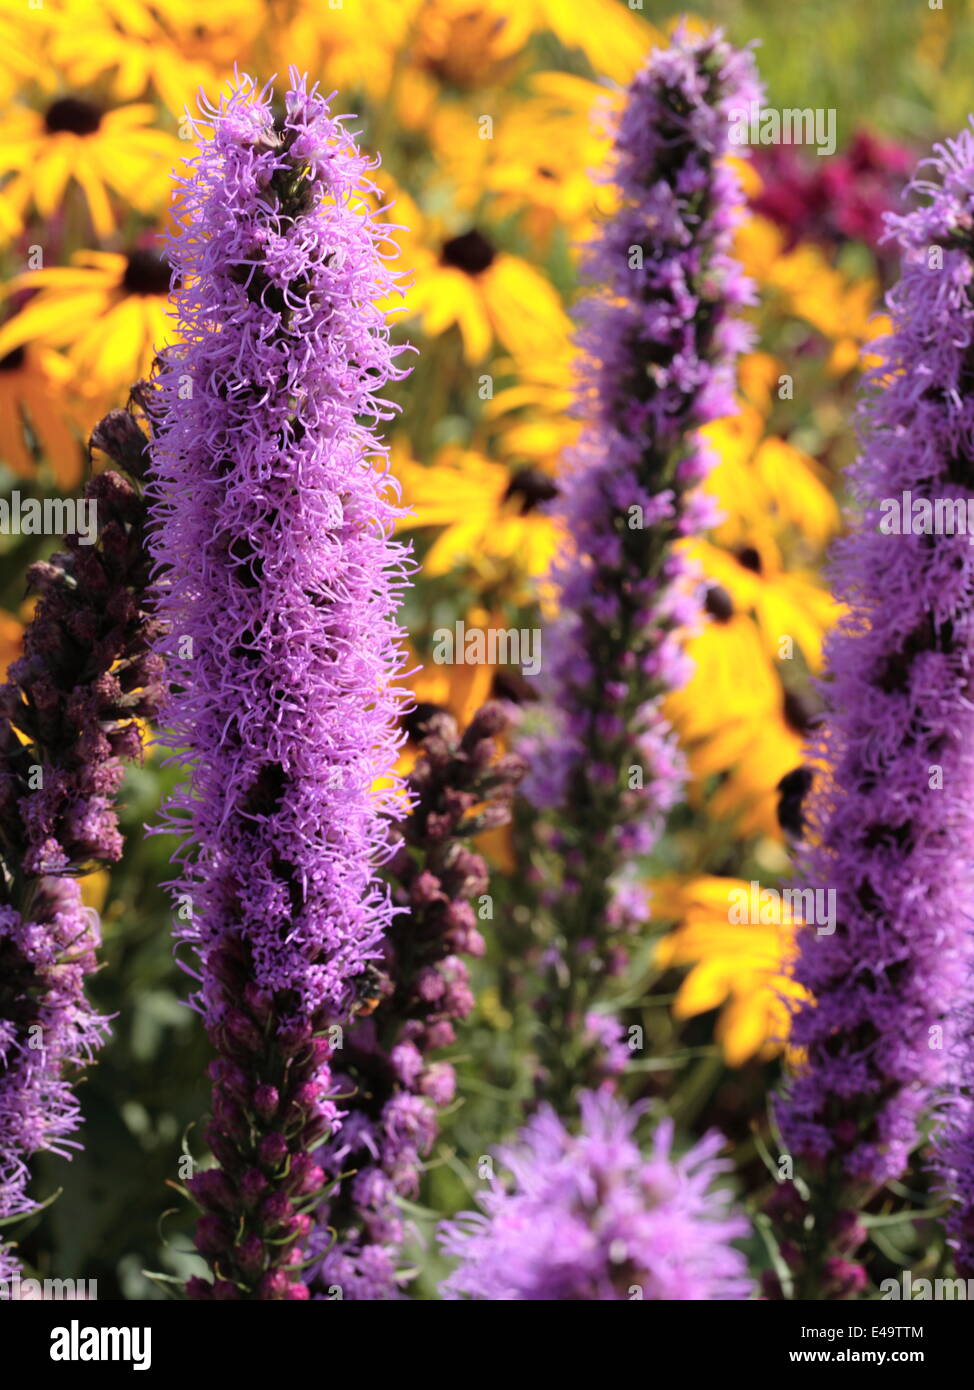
<point>273,512</point>
<point>894,845</point>
<point>48,1032</point>
<point>660,342</point>
<point>588,1217</point>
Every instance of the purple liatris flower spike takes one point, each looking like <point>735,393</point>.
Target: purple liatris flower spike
<point>272,519</point>
<point>660,337</point>
<point>588,1217</point>
<point>889,814</point>
<point>411,1002</point>
<point>70,713</point>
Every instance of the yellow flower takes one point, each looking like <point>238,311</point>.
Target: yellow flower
<point>468,43</point>
<point>491,527</point>
<point>490,523</point>
<point>108,310</point>
<point>787,605</point>
<point>737,723</point>
<point>168,46</point>
<point>76,140</point>
<point>532,416</point>
<point>763,481</point>
<point>740,969</point>
<point>175,47</point>
<point>539,161</point>
<point>463,278</point>
<point>613,38</point>
<point>23,40</point>
<point>32,383</point>
<point>840,308</point>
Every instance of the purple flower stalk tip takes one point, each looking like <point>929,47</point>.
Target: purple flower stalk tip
<point>660,338</point>
<point>891,826</point>
<point>272,521</point>
<point>587,1217</point>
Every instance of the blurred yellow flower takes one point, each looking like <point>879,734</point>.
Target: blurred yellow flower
<point>766,482</point>
<point>175,47</point>
<point>791,609</point>
<point>538,163</point>
<point>736,722</point>
<point>108,310</point>
<point>32,386</point>
<point>740,969</point>
<point>102,151</point>
<point>491,525</point>
<point>23,40</point>
<point>532,415</point>
<point>467,43</point>
<point>840,308</point>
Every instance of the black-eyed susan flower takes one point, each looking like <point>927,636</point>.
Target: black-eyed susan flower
<point>462,277</point>
<point>738,724</point>
<point>102,151</point>
<point>766,482</point>
<point>175,47</point>
<point>107,310</point>
<point>791,609</point>
<point>740,968</point>
<point>492,527</point>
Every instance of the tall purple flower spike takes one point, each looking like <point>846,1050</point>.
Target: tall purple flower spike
<point>586,1216</point>
<point>70,713</point>
<point>891,827</point>
<point>660,337</point>
<point>273,510</point>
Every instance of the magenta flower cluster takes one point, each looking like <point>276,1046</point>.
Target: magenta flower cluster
<point>273,511</point>
<point>588,1217</point>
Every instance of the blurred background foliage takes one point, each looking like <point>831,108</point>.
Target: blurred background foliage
<point>487,114</point>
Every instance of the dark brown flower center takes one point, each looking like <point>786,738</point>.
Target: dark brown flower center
<point>73,115</point>
<point>146,273</point>
<point>801,714</point>
<point>532,486</point>
<point>719,603</point>
<point>14,360</point>
<point>749,558</point>
<point>471,252</point>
